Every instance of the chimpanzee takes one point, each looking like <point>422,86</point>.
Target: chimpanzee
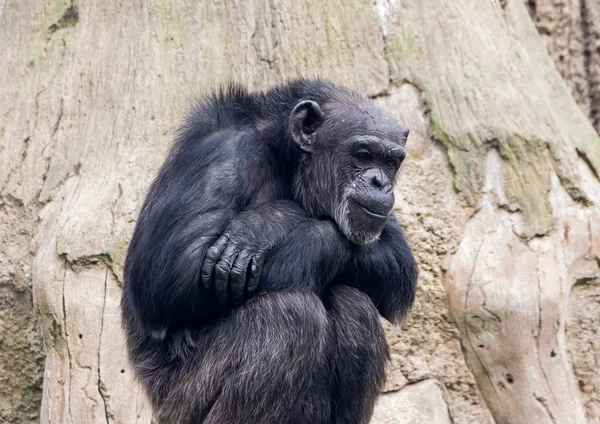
<point>262,257</point>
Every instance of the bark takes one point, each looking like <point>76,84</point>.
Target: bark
<point>571,31</point>
<point>21,347</point>
<point>498,196</point>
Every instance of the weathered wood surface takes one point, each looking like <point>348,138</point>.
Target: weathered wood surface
<point>498,196</point>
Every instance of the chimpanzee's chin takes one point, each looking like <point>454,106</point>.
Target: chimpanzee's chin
<point>362,226</point>
<point>362,238</point>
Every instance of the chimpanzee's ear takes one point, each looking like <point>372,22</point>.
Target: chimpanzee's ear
<point>304,121</point>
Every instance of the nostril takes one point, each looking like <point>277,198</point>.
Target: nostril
<point>381,184</point>
<point>376,181</point>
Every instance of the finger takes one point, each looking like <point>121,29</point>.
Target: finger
<point>237,279</point>
<point>254,273</point>
<point>210,259</point>
<point>222,271</point>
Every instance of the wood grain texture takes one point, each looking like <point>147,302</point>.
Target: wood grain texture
<point>498,195</point>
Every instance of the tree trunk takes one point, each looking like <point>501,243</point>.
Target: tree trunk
<point>571,32</point>
<point>498,195</point>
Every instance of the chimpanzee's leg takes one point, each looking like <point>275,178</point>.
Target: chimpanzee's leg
<point>281,358</point>
<point>360,352</point>
<point>253,367</point>
<point>351,372</point>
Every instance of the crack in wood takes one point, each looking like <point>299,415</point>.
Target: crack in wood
<point>101,386</point>
<point>64,307</point>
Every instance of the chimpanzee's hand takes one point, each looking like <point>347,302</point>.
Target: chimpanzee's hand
<point>234,262</point>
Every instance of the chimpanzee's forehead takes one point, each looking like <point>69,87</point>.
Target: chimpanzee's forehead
<point>379,124</point>
<point>363,118</point>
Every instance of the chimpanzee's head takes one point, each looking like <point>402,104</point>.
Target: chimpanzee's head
<point>351,153</point>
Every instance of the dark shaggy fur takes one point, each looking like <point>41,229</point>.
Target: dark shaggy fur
<point>263,255</point>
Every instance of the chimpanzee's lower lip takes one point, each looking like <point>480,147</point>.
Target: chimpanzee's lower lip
<point>369,212</point>
<point>373,214</point>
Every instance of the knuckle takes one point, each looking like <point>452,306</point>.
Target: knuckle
<point>237,271</point>
<point>221,272</point>
<point>224,264</point>
<point>221,241</point>
<point>212,253</point>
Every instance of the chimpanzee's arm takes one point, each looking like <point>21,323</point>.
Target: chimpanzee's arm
<point>233,263</point>
<point>385,270</point>
<point>203,184</point>
<point>301,253</point>
<point>308,259</point>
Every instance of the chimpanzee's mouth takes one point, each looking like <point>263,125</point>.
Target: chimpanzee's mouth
<point>368,211</point>
<point>373,214</point>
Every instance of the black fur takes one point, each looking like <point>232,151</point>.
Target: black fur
<point>264,251</point>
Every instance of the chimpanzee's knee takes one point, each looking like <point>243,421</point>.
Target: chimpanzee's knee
<point>267,358</point>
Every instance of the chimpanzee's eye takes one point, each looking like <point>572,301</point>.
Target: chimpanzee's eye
<point>364,155</point>
<point>392,163</point>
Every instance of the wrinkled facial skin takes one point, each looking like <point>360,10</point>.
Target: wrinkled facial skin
<point>351,156</point>
<point>371,164</point>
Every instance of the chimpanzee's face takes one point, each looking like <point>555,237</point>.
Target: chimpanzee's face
<point>352,156</point>
<point>369,164</point>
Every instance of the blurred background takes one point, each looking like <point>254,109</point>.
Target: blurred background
<point>499,196</point>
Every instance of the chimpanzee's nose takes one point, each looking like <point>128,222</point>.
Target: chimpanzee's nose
<point>377,179</point>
